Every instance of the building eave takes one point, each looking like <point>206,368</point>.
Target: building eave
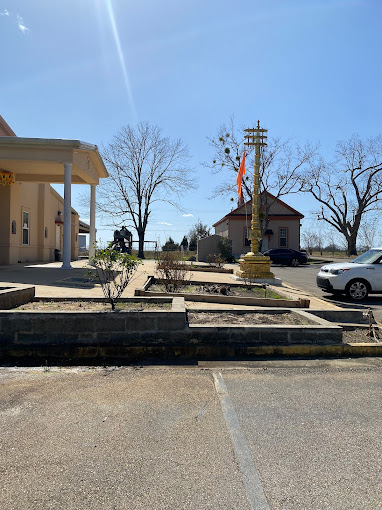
<point>7,127</point>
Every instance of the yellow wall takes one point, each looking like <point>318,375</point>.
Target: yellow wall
<point>5,223</point>
<point>43,204</point>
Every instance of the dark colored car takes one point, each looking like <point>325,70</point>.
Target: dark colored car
<point>287,257</point>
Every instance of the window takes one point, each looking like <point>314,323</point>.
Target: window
<point>25,228</point>
<point>283,237</point>
<point>13,227</point>
<point>247,241</point>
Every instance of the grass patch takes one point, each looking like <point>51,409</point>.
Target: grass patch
<point>318,261</point>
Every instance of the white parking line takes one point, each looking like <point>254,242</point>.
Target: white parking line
<point>253,487</point>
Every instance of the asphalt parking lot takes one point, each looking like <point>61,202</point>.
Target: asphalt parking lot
<point>304,278</point>
<point>244,435</point>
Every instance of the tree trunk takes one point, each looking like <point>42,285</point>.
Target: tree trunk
<point>141,239</point>
<point>352,248</point>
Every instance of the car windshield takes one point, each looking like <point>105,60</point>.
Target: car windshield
<point>368,258</point>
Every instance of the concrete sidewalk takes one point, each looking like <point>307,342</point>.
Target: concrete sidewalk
<point>52,281</point>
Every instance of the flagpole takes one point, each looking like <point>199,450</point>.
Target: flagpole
<point>254,265</point>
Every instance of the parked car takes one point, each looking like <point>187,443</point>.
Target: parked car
<point>286,257</point>
<point>356,279</point>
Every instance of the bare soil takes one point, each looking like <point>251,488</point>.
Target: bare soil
<point>360,336</point>
<point>289,319</point>
<point>254,291</point>
<point>91,306</point>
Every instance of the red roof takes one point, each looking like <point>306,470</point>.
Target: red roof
<point>235,213</point>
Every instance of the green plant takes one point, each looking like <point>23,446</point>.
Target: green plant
<point>225,248</point>
<point>171,245</point>
<point>172,271</point>
<point>114,271</point>
<point>198,231</point>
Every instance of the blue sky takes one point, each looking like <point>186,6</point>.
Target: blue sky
<point>308,69</point>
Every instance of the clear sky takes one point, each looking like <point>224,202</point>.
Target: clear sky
<point>308,69</point>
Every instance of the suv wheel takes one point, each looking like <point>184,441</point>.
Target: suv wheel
<point>357,290</point>
<point>294,262</point>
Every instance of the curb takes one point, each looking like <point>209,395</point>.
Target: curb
<point>126,355</point>
<point>334,350</point>
<point>309,296</point>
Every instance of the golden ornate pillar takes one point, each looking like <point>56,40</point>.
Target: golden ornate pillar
<point>255,265</point>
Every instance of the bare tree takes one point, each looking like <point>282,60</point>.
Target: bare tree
<point>368,231</point>
<point>280,165</point>
<point>313,237</point>
<point>309,239</point>
<point>145,167</point>
<point>348,188</point>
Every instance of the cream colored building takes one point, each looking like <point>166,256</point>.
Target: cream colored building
<point>34,219</point>
<point>283,229</point>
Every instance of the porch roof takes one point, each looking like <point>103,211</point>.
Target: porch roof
<point>42,160</point>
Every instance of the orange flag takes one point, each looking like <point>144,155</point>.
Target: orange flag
<point>240,174</point>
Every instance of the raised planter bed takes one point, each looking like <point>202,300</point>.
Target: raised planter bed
<point>97,337</point>
<point>219,298</point>
<point>15,296</point>
<point>27,336</point>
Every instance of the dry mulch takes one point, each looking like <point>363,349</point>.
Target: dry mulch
<point>253,291</point>
<point>360,336</point>
<point>289,319</point>
<point>91,306</point>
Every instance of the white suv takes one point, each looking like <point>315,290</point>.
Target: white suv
<point>357,278</point>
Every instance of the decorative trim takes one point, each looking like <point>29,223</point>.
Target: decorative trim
<point>6,178</point>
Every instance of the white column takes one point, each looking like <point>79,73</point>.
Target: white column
<point>92,233</point>
<point>67,217</point>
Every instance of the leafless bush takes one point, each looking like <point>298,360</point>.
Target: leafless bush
<point>172,271</point>
<point>215,260</point>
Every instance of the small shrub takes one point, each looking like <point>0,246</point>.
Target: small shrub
<point>114,272</point>
<point>211,259</point>
<point>215,260</point>
<point>225,248</point>
<point>172,271</point>
<point>171,245</point>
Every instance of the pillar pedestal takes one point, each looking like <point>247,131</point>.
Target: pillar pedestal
<point>255,267</point>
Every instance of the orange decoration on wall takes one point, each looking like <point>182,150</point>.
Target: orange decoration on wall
<point>6,178</point>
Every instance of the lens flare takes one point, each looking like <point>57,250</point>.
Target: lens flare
<point>121,56</point>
